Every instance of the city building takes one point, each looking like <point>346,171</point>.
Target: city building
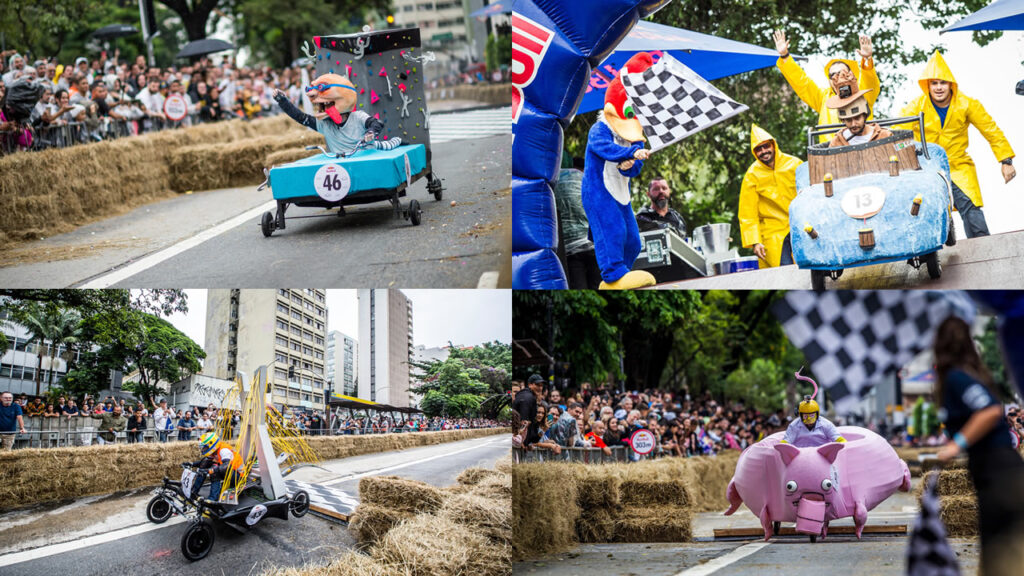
<point>445,23</point>
<point>385,336</point>
<point>19,363</point>
<point>426,355</point>
<point>342,363</point>
<point>286,330</point>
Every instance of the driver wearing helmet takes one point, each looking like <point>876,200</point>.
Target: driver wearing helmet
<point>216,458</point>
<point>810,429</point>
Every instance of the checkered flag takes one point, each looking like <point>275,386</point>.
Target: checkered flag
<point>928,552</point>
<point>851,339</point>
<point>672,102</point>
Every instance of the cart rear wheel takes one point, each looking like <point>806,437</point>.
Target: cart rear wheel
<point>434,187</point>
<point>776,526</point>
<point>267,224</point>
<point>299,504</point>
<point>818,280</point>
<point>814,538</point>
<point>197,541</point>
<point>158,510</point>
<point>934,266</point>
<point>414,212</point>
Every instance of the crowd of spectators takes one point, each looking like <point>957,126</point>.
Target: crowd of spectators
<point>109,97</point>
<point>606,419</point>
<point>186,424</point>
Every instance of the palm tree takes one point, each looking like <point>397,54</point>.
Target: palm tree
<point>65,329</point>
<point>32,316</point>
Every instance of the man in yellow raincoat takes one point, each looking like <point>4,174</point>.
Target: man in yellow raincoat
<point>768,187</point>
<point>947,114</point>
<point>836,70</point>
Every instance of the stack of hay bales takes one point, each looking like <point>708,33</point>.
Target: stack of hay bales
<point>414,529</point>
<point>958,505</point>
<point>56,190</point>
<point>557,505</point>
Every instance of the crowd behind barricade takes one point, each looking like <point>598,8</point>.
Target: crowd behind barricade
<point>596,424</point>
<point>107,98</point>
<point>39,423</point>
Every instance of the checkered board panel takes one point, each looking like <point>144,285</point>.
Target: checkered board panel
<point>672,102</point>
<point>851,339</point>
<point>325,499</point>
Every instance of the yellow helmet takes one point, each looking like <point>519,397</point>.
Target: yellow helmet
<point>808,406</point>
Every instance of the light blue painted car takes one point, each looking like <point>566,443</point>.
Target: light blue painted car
<point>825,231</point>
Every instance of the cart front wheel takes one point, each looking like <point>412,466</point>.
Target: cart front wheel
<point>197,541</point>
<point>299,504</point>
<point>158,510</point>
<point>267,224</point>
<point>414,212</point>
<point>818,280</point>
<point>814,538</point>
<point>934,266</point>
<point>434,187</point>
<point>951,237</point>
<point>776,527</point>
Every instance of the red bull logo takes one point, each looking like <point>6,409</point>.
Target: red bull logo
<point>530,42</point>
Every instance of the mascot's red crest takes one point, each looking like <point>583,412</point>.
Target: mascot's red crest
<point>618,112</point>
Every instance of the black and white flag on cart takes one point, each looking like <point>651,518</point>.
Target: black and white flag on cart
<point>672,102</point>
<point>851,339</point>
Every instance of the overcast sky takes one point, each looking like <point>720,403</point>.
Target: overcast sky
<point>987,74</point>
<point>465,317</point>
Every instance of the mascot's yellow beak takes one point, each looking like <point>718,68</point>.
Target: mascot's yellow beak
<point>629,129</point>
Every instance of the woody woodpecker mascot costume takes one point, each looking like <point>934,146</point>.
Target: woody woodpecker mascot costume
<point>615,154</point>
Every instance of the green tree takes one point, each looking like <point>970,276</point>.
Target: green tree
<point>276,29</point>
<point>991,355</point>
<point>762,386</point>
<point>88,302</point>
<point>449,388</point>
<point>160,352</point>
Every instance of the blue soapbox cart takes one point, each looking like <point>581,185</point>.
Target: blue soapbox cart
<point>387,69</point>
<point>883,201</point>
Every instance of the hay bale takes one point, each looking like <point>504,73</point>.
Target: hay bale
<point>659,524</point>
<point>596,525</point>
<point>595,488</point>
<point>287,156</point>
<point>499,486</point>
<point>348,564</point>
<point>544,509</point>
<point>371,522</point>
<point>399,494</point>
<point>472,476</point>
<point>953,482</point>
<point>960,515</point>
<point>643,493</point>
<point>492,518</point>
<point>429,545</point>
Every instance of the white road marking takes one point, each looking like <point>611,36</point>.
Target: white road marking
<point>488,280</point>
<point>411,463</point>
<point>44,551</point>
<point>147,262</point>
<point>723,561</point>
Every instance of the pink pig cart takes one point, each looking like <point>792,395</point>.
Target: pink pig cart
<point>813,486</point>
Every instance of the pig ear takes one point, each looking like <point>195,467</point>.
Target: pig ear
<point>829,451</point>
<point>788,452</point>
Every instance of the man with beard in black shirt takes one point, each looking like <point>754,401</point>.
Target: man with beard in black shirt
<point>525,405</point>
<point>657,214</point>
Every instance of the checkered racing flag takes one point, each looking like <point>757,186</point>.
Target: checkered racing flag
<point>928,552</point>
<point>672,102</point>
<point>852,338</point>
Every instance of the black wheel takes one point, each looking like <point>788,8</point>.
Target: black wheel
<point>158,510</point>
<point>299,504</point>
<point>818,280</point>
<point>934,266</point>
<point>197,541</point>
<point>267,224</point>
<point>776,526</point>
<point>814,538</point>
<point>414,212</point>
<point>434,187</point>
<point>951,237</point>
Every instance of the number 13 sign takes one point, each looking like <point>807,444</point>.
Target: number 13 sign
<point>863,202</point>
<point>332,182</point>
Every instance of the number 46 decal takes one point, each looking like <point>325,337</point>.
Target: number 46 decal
<point>332,182</point>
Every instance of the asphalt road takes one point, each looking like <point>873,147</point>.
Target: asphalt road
<point>120,518</point>
<point>212,238</point>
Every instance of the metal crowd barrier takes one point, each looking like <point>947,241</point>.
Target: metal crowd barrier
<point>74,133</point>
<point>580,455</point>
